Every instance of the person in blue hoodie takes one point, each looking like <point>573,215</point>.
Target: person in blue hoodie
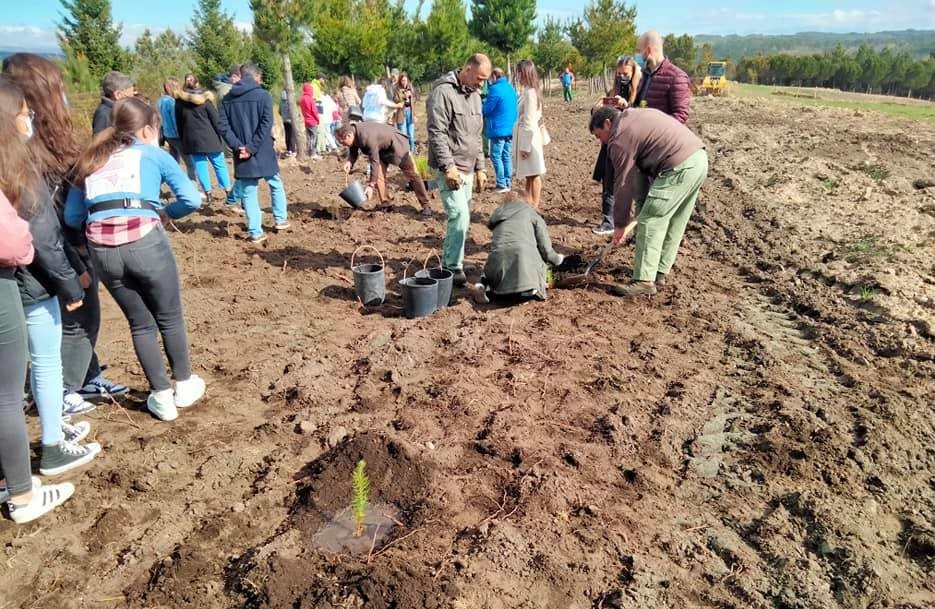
<point>246,124</point>
<point>500,111</point>
<point>116,199</point>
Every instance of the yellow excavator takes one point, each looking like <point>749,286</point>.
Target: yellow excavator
<point>715,82</point>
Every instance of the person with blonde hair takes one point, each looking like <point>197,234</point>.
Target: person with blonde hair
<point>529,150</point>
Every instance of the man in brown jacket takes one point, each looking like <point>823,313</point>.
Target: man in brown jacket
<point>644,143</point>
<point>384,146</point>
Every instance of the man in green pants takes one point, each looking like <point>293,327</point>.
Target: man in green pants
<point>455,125</point>
<point>642,144</point>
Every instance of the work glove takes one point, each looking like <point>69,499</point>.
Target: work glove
<point>452,178</point>
<point>480,179</point>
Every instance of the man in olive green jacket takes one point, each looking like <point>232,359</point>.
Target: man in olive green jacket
<point>455,125</point>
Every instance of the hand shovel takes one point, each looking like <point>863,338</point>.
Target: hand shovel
<point>576,280</point>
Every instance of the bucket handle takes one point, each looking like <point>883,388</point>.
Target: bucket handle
<point>406,270</point>
<point>365,247</point>
<point>427,258</point>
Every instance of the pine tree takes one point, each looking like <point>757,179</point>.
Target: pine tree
<point>87,29</point>
<point>607,29</point>
<point>506,25</point>
<point>351,36</point>
<point>445,41</point>
<point>551,51</point>
<point>282,24</point>
<point>215,41</point>
<point>158,58</point>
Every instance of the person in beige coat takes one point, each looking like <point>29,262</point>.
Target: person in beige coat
<point>528,145</point>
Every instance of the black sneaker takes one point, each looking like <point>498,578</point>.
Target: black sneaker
<point>459,278</point>
<point>61,457</point>
<point>603,229</point>
<point>660,279</point>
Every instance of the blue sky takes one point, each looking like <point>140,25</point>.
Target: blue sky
<point>32,23</point>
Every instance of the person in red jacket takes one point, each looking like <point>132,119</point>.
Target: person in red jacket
<point>665,86</point>
<point>310,114</point>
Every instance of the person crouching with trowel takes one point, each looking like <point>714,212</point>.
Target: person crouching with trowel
<point>644,143</point>
<point>385,146</point>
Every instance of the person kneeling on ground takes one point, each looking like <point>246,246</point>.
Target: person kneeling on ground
<point>520,249</point>
<point>385,146</point>
<point>646,143</point>
<point>116,199</point>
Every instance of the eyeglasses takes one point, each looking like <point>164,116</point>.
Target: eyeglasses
<point>31,114</point>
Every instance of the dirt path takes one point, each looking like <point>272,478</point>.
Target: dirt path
<point>758,435</point>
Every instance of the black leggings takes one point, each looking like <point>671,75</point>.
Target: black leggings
<point>14,443</point>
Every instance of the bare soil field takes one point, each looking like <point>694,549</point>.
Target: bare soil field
<point>758,435</point>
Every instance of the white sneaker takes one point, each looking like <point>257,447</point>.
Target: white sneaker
<point>162,405</point>
<point>503,190</point>
<point>190,391</point>
<point>5,492</point>
<point>44,499</point>
<point>77,432</point>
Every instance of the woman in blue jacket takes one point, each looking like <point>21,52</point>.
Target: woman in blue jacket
<point>117,200</point>
<point>500,111</point>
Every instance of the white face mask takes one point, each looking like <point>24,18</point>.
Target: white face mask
<point>28,135</point>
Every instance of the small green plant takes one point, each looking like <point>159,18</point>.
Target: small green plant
<point>361,497</point>
<point>771,181</point>
<point>867,247</point>
<point>422,166</point>
<point>876,171</point>
<point>829,184</point>
<point>867,293</point>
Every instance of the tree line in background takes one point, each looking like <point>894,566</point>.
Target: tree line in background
<point>866,71</point>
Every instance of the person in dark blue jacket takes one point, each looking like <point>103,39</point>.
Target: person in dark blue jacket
<point>500,111</point>
<point>246,124</point>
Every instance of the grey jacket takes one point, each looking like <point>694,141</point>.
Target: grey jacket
<point>519,250</point>
<point>455,125</point>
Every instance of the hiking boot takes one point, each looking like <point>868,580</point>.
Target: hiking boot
<point>637,288</point>
<point>61,457</point>
<point>190,391</point>
<point>44,499</point>
<point>102,387</point>
<point>77,432</point>
<point>162,405</point>
<point>459,278</point>
<point>603,229</point>
<point>660,279</point>
<point>73,404</point>
<point>231,200</point>
<point>258,240</point>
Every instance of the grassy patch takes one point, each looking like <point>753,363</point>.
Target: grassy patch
<point>867,293</point>
<point>876,171</point>
<point>869,247</point>
<point>788,95</point>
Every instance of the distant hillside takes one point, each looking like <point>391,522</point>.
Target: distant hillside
<point>917,42</point>
<point>50,53</point>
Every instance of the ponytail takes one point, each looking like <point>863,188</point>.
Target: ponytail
<point>129,116</point>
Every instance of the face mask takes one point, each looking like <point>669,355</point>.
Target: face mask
<point>28,135</point>
<point>640,61</point>
<point>623,79</point>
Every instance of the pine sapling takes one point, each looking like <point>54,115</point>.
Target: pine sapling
<point>361,497</point>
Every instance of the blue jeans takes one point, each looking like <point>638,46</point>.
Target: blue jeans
<point>251,203</point>
<point>501,155</point>
<point>216,160</point>
<point>409,128</point>
<point>44,334</point>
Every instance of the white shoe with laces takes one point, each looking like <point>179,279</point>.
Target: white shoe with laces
<point>162,405</point>
<point>190,391</point>
<point>77,432</point>
<point>45,498</point>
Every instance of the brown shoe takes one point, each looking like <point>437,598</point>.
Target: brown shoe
<point>637,288</point>
<point>660,279</point>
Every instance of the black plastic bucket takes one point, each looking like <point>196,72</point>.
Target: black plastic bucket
<point>444,278</point>
<point>354,194</point>
<point>369,279</point>
<point>420,296</point>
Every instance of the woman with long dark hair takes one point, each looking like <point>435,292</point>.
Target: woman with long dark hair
<point>529,147</point>
<point>197,121</point>
<point>26,498</point>
<point>49,280</point>
<point>117,199</point>
<point>55,149</point>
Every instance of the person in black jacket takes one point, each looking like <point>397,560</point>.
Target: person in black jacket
<point>246,123</point>
<point>49,277</point>
<point>114,86</point>
<point>197,122</point>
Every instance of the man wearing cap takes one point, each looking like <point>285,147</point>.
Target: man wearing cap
<point>114,87</point>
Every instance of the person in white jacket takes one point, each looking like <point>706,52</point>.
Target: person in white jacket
<point>376,103</point>
<point>328,109</point>
<point>528,145</point>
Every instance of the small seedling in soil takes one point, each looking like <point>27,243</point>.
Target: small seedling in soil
<point>422,166</point>
<point>876,171</point>
<point>867,293</point>
<point>829,184</point>
<point>361,497</point>
<point>771,181</point>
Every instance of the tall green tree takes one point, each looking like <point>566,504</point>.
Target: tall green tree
<point>445,40</point>
<point>215,40</point>
<point>88,30</point>
<point>506,25</point>
<point>159,57</point>
<point>551,51</point>
<point>350,36</point>
<point>606,30</point>
<point>682,52</point>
